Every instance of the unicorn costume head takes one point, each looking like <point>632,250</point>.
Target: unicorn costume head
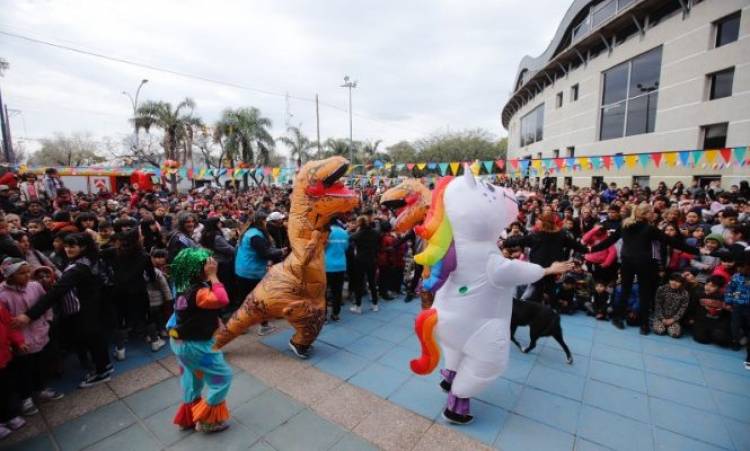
<point>473,285</point>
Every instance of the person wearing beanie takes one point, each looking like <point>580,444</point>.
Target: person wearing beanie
<point>17,295</point>
<point>706,263</point>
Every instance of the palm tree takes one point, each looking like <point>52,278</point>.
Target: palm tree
<point>243,134</point>
<point>336,146</point>
<point>370,149</point>
<point>298,144</point>
<point>177,123</point>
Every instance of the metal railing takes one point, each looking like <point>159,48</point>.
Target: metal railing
<point>597,16</point>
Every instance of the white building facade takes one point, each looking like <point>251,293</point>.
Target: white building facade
<point>627,77</point>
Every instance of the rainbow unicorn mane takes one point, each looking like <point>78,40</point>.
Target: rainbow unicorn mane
<point>439,257</point>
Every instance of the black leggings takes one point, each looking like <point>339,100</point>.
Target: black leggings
<point>647,273</point>
<point>7,411</point>
<point>365,272</point>
<point>335,282</point>
<point>29,372</point>
<point>89,338</point>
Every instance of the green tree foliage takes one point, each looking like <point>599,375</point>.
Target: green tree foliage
<point>61,150</point>
<point>298,144</point>
<point>460,146</point>
<point>178,124</point>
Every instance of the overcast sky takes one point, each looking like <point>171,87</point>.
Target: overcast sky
<point>422,66</point>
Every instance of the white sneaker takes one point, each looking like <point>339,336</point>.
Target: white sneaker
<point>747,365</point>
<point>375,308</point>
<point>16,423</point>
<point>157,344</point>
<point>28,408</point>
<point>119,354</point>
<point>49,394</point>
<point>4,431</point>
<point>356,309</point>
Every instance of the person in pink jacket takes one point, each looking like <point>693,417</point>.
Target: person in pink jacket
<point>603,263</point>
<point>17,294</point>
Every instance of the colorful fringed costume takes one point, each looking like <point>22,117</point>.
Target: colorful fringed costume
<point>473,285</point>
<point>191,332</point>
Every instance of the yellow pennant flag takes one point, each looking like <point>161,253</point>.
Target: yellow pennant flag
<point>536,164</point>
<point>671,159</point>
<point>275,172</point>
<point>388,165</point>
<point>475,168</point>
<point>421,166</point>
<point>454,167</point>
<point>583,162</point>
<point>711,156</point>
<point>631,161</point>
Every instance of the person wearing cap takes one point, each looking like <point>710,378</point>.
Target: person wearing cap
<point>254,252</point>
<point>17,295</point>
<point>277,230</point>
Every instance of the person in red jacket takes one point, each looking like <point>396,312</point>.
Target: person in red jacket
<point>386,272</point>
<point>10,340</point>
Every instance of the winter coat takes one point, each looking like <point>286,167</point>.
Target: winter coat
<point>158,290</point>
<point>10,338</point>
<point>18,300</point>
<point>669,303</point>
<point>546,248</point>
<point>604,258</point>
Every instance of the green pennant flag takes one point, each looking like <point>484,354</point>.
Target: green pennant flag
<point>443,167</point>
<point>739,155</point>
<point>697,154</point>
<point>488,166</point>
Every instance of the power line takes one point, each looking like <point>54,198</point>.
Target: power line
<point>192,76</point>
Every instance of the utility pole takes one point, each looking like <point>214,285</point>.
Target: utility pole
<point>350,84</point>
<point>134,103</point>
<point>317,125</point>
<point>4,124</point>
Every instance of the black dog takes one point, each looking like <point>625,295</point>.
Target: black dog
<point>542,322</point>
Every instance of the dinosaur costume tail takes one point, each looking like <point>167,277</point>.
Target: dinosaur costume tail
<point>424,326</point>
<point>240,321</point>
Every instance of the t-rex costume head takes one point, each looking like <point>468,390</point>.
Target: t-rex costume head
<point>295,288</point>
<point>411,200</point>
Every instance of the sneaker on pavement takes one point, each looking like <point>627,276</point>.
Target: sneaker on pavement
<point>119,354</point>
<point>356,309</point>
<point>300,351</point>
<point>157,344</point>
<point>747,365</point>
<point>49,394</point>
<point>210,428</point>
<point>4,431</point>
<point>16,423</point>
<point>28,408</point>
<point>95,379</point>
<point>265,329</point>
<point>109,369</point>
<point>375,308</point>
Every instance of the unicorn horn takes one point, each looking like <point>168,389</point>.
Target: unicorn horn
<point>469,176</point>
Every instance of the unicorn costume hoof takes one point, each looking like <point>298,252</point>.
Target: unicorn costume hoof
<point>473,286</point>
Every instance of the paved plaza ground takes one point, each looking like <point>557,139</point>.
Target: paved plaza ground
<point>624,391</point>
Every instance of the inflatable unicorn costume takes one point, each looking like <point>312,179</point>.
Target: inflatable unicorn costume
<point>473,285</point>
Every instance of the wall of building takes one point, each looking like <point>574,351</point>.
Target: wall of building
<point>687,57</point>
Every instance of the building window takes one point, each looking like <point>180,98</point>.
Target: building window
<point>641,180</point>
<point>714,136</point>
<point>571,151</point>
<point>532,126</point>
<point>727,29</point>
<point>556,153</point>
<point>720,84</point>
<point>574,92</point>
<point>631,91</point>
<point>558,100</point>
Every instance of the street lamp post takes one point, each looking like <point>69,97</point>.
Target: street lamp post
<point>348,83</point>
<point>134,102</point>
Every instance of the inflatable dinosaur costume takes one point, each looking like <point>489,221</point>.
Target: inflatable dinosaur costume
<point>295,288</point>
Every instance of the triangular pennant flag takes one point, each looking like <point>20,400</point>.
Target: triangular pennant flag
<point>619,161</point>
<point>524,165</point>
<point>443,167</point>
<point>202,173</point>
<point>570,163</point>
<point>710,156</point>
<point>631,161</point>
<point>697,154</point>
<point>560,163</point>
<point>454,167</point>
<point>400,166</point>
<point>421,166</point>
<point>644,158</point>
<point>488,166</point>
<point>726,154</point>
<point>475,168</point>
<point>410,166</point>
<point>548,164</point>
<point>596,163</point>
<point>388,166</point>
<point>514,163</point>
<point>378,164</point>
<point>537,165</point>
<point>209,172</point>
<point>583,162</point>
<point>671,159</point>
<point>431,165</point>
<point>684,158</point>
<point>500,164</point>
<point>739,154</point>
<point>276,172</point>
<point>656,156</point>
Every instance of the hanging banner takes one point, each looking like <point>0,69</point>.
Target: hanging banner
<point>684,158</point>
<point>410,166</point>
<point>583,162</point>
<point>525,165</point>
<point>443,167</point>
<point>710,156</point>
<point>488,166</point>
<point>560,163</point>
<point>431,166</point>
<point>697,154</point>
<point>644,158</point>
<point>421,166</point>
<point>514,163</point>
<point>726,154</point>
<point>596,163</point>
<point>671,159</point>
<point>570,163</point>
<point>739,155</point>
<point>400,166</point>
<point>656,158</point>
<point>537,165</point>
<point>454,167</point>
<point>500,164</point>
<point>631,161</point>
<point>619,161</point>
<point>475,168</point>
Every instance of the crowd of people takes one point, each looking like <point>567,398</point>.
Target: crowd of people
<point>667,260</point>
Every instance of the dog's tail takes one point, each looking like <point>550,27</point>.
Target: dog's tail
<point>424,326</point>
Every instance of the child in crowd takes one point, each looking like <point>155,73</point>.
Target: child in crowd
<point>670,304</point>
<point>197,309</point>
<point>706,263</point>
<point>711,320</point>
<point>10,340</point>
<point>564,301</point>
<point>17,294</point>
<point>599,302</point>
<point>584,285</point>
<point>725,268</point>
<point>159,295</point>
<point>737,297</point>
<point>159,261</point>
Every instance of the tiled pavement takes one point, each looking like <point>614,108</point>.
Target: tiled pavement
<point>624,391</point>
